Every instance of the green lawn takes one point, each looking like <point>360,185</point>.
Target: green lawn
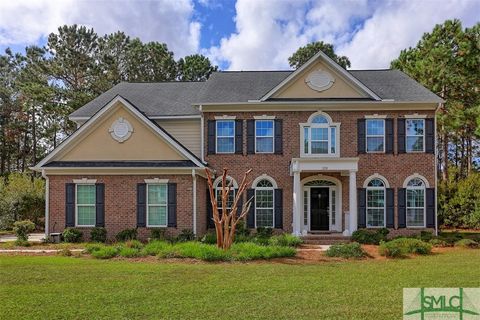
<point>48,287</point>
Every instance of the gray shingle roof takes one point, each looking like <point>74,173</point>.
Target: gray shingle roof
<point>176,98</point>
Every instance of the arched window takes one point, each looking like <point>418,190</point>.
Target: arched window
<point>218,192</point>
<point>416,203</point>
<point>320,136</point>
<point>264,203</point>
<point>376,203</point>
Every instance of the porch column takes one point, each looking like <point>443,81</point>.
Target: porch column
<point>297,216</point>
<point>352,186</point>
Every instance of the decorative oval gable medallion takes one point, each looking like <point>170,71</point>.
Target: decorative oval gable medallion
<point>121,130</point>
<point>319,80</point>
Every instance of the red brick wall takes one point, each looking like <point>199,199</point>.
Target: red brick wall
<point>395,168</point>
<point>121,201</point>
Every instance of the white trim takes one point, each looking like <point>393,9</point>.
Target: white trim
<point>75,119</point>
<point>264,177</point>
<point>357,105</point>
<point>219,180</point>
<point>156,181</point>
<point>47,204</point>
<point>116,123</point>
<point>225,117</point>
<point>424,189</point>
<point>376,176</point>
<point>384,189</point>
<point>77,134</point>
<point>202,135</point>
<point>374,135</point>
<point>76,205</point>
<point>413,176</point>
<point>424,136</point>
<point>329,62</point>
<point>319,113</point>
<point>272,137</point>
<point>264,117</point>
<point>84,181</point>
<point>415,116</point>
<point>327,126</point>
<point>272,208</point>
<point>121,171</point>
<point>229,137</point>
<point>375,116</point>
<point>157,205</point>
<point>194,191</point>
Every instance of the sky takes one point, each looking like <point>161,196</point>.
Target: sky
<point>243,34</point>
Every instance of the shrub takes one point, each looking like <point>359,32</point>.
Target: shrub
<point>194,250</point>
<point>22,229</point>
<point>402,246</point>
<point>186,235</point>
<point>134,244</point>
<point>467,243</point>
<point>365,236</point>
<point>158,233</point>
<point>263,232</point>
<point>285,240</point>
<point>436,242</point>
<point>426,236</point>
<point>91,247</point>
<point>251,251</point>
<point>107,252</point>
<point>98,234</point>
<point>153,248</point>
<point>245,238</point>
<point>72,235</point>
<point>241,229</point>
<point>127,252</point>
<point>22,243</point>
<point>65,252</point>
<point>346,250</point>
<point>211,238</point>
<point>127,234</point>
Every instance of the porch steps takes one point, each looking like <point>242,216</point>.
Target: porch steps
<point>324,238</point>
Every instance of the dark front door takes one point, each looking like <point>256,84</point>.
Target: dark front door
<point>319,204</point>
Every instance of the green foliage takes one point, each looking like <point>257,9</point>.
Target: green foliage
<point>436,242</point>
<point>195,67</point>
<point>426,236</point>
<point>401,247</point>
<point>186,235</point>
<point>72,235</point>
<point>65,252</point>
<point>127,234</point>
<point>135,244</point>
<point>98,234</point>
<point>303,54</point>
<point>22,229</point>
<point>22,243</point>
<point>263,232</point>
<point>467,243</point>
<point>91,247</point>
<point>128,252</point>
<point>285,240</point>
<point>153,248</point>
<point>346,250</point>
<point>106,252</point>
<point>210,238</point>
<point>251,251</point>
<point>194,250</point>
<point>158,233</point>
<point>241,229</point>
<point>367,236</point>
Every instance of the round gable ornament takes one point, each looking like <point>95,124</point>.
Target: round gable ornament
<point>121,130</point>
<point>319,80</point>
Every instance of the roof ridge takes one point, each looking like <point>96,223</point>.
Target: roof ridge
<point>386,69</point>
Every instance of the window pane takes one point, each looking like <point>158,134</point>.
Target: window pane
<point>319,147</point>
<point>264,199</point>
<point>264,128</point>
<point>157,194</point>
<point>415,217</point>
<point>333,206</point>
<point>375,217</point>
<point>85,194</point>
<point>305,207</point>
<point>415,198</point>
<point>86,215</point>
<point>264,218</point>
<point>305,142</point>
<point>414,127</point>
<point>333,138</point>
<point>157,216</point>
<point>415,143</point>
<point>230,199</point>
<point>320,134</point>
<point>264,145</point>
<point>225,128</point>
<point>264,184</point>
<point>225,144</point>
<point>376,183</point>
<point>374,144</point>
<point>319,119</point>
<point>376,198</point>
<point>375,127</point>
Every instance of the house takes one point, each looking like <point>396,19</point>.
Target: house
<point>331,150</point>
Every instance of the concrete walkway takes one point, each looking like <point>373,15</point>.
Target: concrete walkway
<point>32,237</point>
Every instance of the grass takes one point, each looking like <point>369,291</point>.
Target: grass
<point>55,287</point>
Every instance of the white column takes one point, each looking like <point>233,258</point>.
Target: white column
<point>297,212</point>
<point>352,196</point>
<point>194,190</point>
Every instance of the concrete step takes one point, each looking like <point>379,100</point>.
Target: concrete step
<point>325,241</point>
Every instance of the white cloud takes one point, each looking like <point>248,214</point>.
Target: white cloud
<point>26,21</point>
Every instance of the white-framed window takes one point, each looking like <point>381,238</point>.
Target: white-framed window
<point>376,204</point>
<point>157,195</point>
<point>85,198</point>
<point>264,204</point>
<point>218,193</point>
<point>320,136</point>
<point>415,203</point>
<point>264,136</point>
<point>415,135</point>
<point>225,135</point>
<point>375,135</point>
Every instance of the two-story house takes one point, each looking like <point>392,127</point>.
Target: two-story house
<point>331,150</point>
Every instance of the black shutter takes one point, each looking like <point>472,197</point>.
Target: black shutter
<point>402,208</point>
<point>390,208</point>
<point>239,203</point>
<point>278,208</point>
<point>172,205</point>
<point>362,208</point>
<point>211,136</point>
<point>141,204</point>
<point>430,135</point>
<point>388,135</point>
<point>210,223</point>
<point>239,136</point>
<point>278,136</point>
<point>100,205</point>
<point>251,213</point>
<point>430,207</point>
<point>401,135</point>
<point>250,136</point>
<point>70,205</point>
<point>361,136</point>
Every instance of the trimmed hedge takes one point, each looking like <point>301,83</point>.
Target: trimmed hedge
<point>367,236</point>
<point>401,247</point>
<point>467,243</point>
<point>346,250</point>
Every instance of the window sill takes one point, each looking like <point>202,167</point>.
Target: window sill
<point>84,226</point>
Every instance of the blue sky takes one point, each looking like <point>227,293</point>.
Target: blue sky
<point>244,34</point>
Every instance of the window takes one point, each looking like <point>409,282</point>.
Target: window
<point>225,136</point>
<point>319,136</point>
<point>85,205</point>
<point>415,135</point>
<point>375,203</point>
<point>156,205</point>
<point>416,203</point>
<point>264,136</point>
<point>218,194</point>
<point>375,135</point>
<point>264,205</point>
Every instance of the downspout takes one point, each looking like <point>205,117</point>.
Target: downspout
<point>436,168</point>
<point>47,187</point>
<point>202,127</point>
<point>194,188</point>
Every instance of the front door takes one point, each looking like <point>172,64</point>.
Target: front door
<point>319,207</point>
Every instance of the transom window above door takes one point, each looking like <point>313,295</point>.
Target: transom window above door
<point>319,136</point>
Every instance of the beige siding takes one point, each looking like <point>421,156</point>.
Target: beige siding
<point>187,132</point>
